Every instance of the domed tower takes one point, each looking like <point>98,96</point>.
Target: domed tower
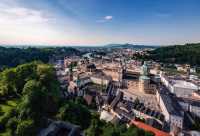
<point>144,80</point>
<point>121,72</point>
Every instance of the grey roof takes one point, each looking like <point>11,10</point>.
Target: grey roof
<point>110,88</point>
<point>170,103</point>
<point>91,66</point>
<point>54,128</point>
<point>129,116</point>
<point>117,99</point>
<point>192,102</point>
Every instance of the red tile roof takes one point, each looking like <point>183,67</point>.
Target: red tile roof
<point>146,127</point>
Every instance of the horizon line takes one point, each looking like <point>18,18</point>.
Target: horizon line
<point>93,45</point>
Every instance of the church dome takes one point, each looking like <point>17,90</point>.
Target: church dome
<point>144,69</point>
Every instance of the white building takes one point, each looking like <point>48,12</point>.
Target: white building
<point>181,88</point>
<point>107,116</point>
<point>193,70</point>
<point>195,109</point>
<point>171,109</point>
<point>193,106</point>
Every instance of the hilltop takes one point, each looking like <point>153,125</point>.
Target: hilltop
<point>13,56</point>
<point>132,46</point>
<point>188,53</point>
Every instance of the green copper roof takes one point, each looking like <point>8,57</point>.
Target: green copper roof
<point>144,78</point>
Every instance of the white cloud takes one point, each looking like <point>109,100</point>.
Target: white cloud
<point>17,14</point>
<point>19,24</point>
<point>105,19</point>
<point>108,17</point>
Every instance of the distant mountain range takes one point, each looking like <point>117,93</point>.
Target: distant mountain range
<point>129,46</point>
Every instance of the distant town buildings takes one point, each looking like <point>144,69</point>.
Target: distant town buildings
<point>127,91</point>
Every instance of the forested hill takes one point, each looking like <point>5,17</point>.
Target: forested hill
<point>10,57</point>
<point>188,53</point>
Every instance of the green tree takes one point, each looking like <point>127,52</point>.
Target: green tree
<point>80,100</point>
<point>12,124</point>
<point>26,128</point>
<point>95,128</point>
<point>188,53</point>
<point>24,73</point>
<point>8,82</point>
<point>37,103</point>
<point>75,113</point>
<point>110,130</point>
<point>47,77</point>
<point>38,100</point>
<point>11,57</point>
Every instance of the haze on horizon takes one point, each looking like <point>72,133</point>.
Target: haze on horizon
<point>99,22</point>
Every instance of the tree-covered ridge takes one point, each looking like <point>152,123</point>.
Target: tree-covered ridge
<point>35,89</point>
<point>30,96</point>
<point>11,57</point>
<point>188,53</point>
<point>13,80</point>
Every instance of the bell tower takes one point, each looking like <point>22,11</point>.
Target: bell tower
<point>144,80</point>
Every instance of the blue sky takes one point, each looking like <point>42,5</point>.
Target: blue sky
<point>98,22</point>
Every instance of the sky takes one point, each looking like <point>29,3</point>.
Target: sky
<point>99,22</point>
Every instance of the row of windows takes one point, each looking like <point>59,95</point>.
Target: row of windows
<point>176,122</point>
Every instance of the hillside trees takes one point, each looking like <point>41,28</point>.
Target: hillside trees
<point>11,57</point>
<point>188,53</point>
<point>37,89</point>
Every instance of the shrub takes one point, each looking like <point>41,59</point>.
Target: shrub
<point>12,124</point>
<point>26,128</point>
